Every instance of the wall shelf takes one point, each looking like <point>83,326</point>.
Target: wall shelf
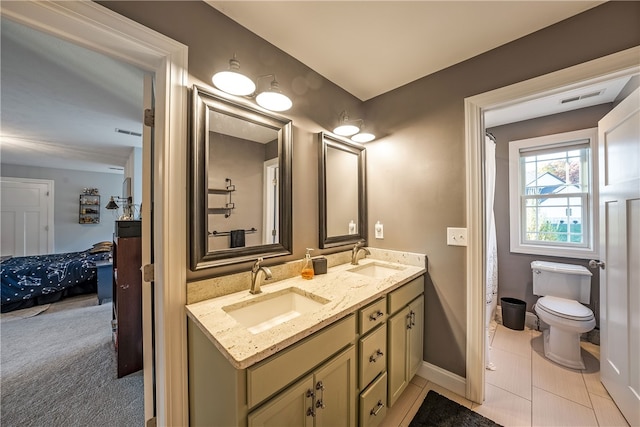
<point>228,205</point>
<point>89,209</point>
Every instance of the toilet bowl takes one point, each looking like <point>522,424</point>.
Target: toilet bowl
<point>567,320</point>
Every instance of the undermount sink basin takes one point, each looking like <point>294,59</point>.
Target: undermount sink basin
<point>379,271</point>
<point>268,310</point>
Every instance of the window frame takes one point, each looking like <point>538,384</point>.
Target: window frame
<point>589,248</point>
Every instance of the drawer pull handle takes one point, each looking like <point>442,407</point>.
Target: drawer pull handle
<point>310,412</point>
<point>375,316</point>
<point>320,402</point>
<point>375,356</point>
<point>377,409</point>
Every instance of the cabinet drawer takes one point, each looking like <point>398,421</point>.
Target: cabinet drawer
<point>372,315</point>
<point>373,403</point>
<point>267,377</point>
<point>373,355</point>
<point>404,295</point>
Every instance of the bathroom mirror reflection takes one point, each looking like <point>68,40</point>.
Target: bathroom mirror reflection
<point>342,192</point>
<point>241,182</point>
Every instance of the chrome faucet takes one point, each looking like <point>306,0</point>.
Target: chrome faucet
<point>257,271</point>
<point>355,252</point>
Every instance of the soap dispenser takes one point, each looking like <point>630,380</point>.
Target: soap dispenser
<point>307,267</point>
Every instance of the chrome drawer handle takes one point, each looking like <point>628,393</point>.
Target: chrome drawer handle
<point>310,412</point>
<point>375,316</point>
<point>377,409</point>
<point>375,356</point>
<point>320,402</point>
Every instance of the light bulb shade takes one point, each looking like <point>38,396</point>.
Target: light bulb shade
<point>112,204</point>
<point>274,101</point>
<point>363,137</point>
<point>233,83</point>
<point>346,130</point>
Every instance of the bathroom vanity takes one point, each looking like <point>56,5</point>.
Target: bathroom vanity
<point>335,350</point>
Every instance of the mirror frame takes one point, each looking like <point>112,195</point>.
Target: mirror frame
<point>203,101</point>
<point>327,140</point>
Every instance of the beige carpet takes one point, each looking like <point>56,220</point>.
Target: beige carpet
<point>58,368</point>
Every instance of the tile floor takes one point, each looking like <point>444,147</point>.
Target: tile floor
<point>526,389</point>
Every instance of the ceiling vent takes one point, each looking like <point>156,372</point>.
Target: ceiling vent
<point>128,132</point>
<point>580,97</point>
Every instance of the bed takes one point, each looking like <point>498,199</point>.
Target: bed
<point>43,279</point>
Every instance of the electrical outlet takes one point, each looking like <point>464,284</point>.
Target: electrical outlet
<point>456,236</point>
<point>379,229</point>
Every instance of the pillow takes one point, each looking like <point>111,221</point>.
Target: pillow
<point>99,249</point>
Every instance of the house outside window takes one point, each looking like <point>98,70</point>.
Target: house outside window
<point>553,194</point>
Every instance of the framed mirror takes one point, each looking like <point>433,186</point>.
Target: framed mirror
<point>240,182</point>
<point>342,192</point>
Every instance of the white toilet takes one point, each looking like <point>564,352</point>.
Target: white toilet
<point>562,288</point>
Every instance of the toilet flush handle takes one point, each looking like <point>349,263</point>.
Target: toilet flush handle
<point>595,264</point>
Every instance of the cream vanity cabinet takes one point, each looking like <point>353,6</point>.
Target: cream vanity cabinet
<point>372,363</point>
<point>325,398</point>
<point>312,383</point>
<point>345,374</point>
<point>405,336</point>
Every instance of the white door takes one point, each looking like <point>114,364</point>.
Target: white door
<point>619,153</point>
<point>27,217</point>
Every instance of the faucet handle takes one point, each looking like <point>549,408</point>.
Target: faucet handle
<point>256,265</point>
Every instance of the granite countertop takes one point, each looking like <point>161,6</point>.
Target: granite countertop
<point>345,291</point>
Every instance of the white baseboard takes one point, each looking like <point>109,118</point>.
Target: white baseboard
<point>443,378</point>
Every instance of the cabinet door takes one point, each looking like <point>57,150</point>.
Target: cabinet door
<point>335,388</point>
<point>397,368</point>
<point>416,335</point>
<point>292,407</point>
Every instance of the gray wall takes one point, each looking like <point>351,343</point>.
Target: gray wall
<point>416,170</point>
<point>514,269</point>
<point>242,161</point>
<point>69,235</point>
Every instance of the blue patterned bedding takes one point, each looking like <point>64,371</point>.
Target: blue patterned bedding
<point>26,279</point>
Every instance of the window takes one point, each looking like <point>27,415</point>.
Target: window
<point>552,189</point>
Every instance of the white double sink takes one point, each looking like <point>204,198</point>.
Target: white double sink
<point>268,310</point>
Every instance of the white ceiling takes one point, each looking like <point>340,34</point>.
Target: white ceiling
<point>61,104</point>
<point>371,47</point>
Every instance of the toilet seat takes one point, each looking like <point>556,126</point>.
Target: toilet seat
<point>564,308</point>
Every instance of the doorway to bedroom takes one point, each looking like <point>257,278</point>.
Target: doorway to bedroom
<point>69,152</point>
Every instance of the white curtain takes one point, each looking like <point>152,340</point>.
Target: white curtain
<point>491,250</point>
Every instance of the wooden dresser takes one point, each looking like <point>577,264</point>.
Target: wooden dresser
<point>127,298</point>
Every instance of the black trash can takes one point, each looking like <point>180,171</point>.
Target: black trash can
<point>513,312</point>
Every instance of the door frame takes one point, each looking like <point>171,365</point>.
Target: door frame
<point>618,64</point>
<point>95,27</point>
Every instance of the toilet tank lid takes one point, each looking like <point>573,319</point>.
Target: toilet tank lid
<point>558,267</point>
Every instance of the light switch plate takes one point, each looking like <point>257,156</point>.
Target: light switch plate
<point>379,230</point>
<point>456,236</point>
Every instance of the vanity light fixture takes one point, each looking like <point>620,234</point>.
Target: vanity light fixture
<point>346,127</point>
<point>235,83</point>
<point>232,81</point>
<point>273,99</point>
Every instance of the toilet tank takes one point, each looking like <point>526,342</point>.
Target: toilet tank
<point>561,280</point>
